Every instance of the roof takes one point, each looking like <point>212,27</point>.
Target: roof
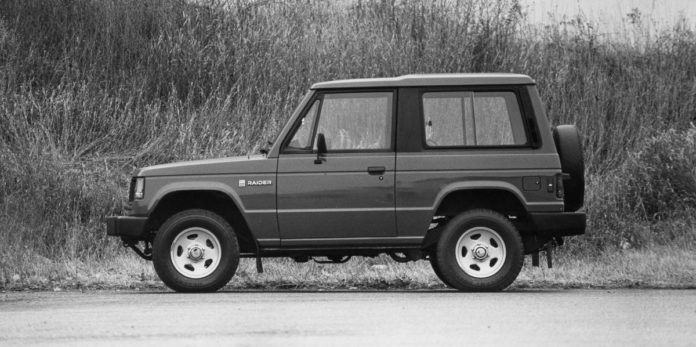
<point>454,79</point>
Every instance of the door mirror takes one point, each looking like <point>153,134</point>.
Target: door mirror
<point>264,150</point>
<point>321,148</point>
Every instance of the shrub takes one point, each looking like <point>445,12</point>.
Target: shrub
<point>661,176</point>
<point>650,197</point>
<point>57,207</point>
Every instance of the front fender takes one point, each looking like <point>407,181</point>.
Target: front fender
<point>181,186</point>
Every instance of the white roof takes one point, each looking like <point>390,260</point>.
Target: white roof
<point>454,79</point>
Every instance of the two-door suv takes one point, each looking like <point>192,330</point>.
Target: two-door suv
<point>463,170</point>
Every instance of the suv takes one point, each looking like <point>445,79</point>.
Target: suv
<point>460,169</point>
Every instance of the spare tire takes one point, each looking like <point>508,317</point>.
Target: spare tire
<point>569,149</point>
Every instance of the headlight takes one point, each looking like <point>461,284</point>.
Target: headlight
<point>137,188</point>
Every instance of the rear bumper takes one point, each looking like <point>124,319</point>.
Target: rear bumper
<point>559,224</point>
<point>126,226</point>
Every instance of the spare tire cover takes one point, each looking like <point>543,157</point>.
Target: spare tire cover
<point>569,149</point>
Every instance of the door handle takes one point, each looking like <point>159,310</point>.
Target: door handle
<point>376,170</point>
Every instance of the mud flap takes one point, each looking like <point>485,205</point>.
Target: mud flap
<point>259,266</point>
<point>549,256</point>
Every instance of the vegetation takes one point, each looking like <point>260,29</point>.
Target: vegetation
<point>632,268</point>
<point>91,89</point>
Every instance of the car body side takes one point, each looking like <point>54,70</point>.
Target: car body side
<point>422,185</point>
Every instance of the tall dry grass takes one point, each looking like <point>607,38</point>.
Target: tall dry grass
<point>91,89</point>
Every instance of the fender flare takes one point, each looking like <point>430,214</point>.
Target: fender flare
<point>188,186</point>
<point>477,185</point>
<point>195,185</point>
<point>431,237</point>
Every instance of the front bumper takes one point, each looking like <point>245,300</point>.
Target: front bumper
<point>559,224</point>
<point>126,226</point>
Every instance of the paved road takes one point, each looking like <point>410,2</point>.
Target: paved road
<point>524,318</point>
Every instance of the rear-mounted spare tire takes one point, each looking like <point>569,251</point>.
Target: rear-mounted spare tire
<point>569,148</point>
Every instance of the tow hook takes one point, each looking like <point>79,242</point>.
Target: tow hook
<point>145,253</point>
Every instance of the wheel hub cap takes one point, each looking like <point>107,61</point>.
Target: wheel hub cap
<point>480,252</point>
<point>196,253</point>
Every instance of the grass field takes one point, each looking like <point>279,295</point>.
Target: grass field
<point>659,267</point>
<point>92,89</point>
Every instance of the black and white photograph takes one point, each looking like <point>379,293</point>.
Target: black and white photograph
<point>347,173</point>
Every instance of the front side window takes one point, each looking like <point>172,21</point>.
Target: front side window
<point>303,135</point>
<point>356,121</point>
<point>458,119</point>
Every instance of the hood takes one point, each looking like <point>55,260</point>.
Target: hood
<point>221,166</point>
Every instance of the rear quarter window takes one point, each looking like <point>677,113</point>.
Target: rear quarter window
<point>472,119</point>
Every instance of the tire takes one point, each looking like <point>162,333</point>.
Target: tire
<point>436,269</point>
<point>569,149</point>
<point>479,250</point>
<point>195,251</point>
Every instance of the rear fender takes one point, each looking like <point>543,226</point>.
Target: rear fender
<point>478,185</point>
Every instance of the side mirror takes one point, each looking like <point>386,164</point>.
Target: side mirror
<point>264,150</point>
<point>321,148</point>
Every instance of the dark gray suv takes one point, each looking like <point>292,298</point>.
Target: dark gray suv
<point>463,170</point>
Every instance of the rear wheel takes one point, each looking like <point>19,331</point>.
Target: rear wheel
<point>479,250</point>
<point>195,251</point>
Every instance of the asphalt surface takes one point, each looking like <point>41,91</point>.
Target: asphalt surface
<point>440,318</point>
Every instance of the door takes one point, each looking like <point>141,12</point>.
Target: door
<point>347,196</point>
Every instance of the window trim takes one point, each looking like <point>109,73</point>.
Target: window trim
<point>296,127</point>
<point>469,89</point>
<point>319,95</point>
<point>285,148</point>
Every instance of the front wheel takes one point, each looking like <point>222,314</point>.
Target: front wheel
<point>195,251</point>
<point>479,250</point>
